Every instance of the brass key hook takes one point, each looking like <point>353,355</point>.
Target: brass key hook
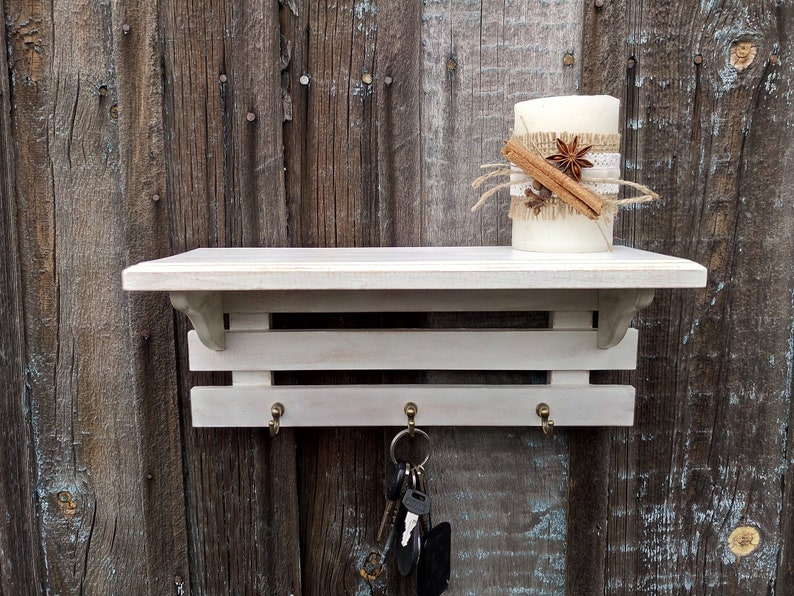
<point>276,411</point>
<point>411,410</point>
<point>544,412</point>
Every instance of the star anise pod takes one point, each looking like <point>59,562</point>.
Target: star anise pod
<point>571,159</point>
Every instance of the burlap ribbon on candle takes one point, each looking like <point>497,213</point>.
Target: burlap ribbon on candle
<point>591,197</point>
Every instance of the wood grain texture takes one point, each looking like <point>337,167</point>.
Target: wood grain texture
<point>111,490</point>
<point>715,365</point>
<point>17,471</point>
<point>333,148</point>
<point>70,172</point>
<point>224,156</point>
<point>150,344</point>
<point>478,59</point>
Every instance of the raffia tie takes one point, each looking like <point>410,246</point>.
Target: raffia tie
<point>534,165</point>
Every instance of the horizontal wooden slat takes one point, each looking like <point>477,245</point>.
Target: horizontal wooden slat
<point>409,268</point>
<point>439,405</point>
<point>421,349</point>
<point>339,301</point>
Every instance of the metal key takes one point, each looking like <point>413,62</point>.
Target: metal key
<point>421,484</point>
<point>394,492</point>
<point>407,543</point>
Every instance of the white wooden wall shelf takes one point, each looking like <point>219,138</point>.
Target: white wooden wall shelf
<point>250,284</point>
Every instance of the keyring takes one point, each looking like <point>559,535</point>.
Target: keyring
<point>404,432</point>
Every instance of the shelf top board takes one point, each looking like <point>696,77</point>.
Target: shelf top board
<point>409,268</point>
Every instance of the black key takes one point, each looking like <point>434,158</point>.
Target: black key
<point>434,565</point>
<point>415,504</point>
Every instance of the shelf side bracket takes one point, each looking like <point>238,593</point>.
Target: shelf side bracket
<point>205,311</point>
<point>616,309</point>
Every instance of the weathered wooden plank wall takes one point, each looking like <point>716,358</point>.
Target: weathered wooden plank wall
<point>130,130</point>
<point>709,451</point>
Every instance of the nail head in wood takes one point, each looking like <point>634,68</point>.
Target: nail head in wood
<point>223,78</point>
<point>304,79</point>
<point>568,59</point>
<point>250,116</point>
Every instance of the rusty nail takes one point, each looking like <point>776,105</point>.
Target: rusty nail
<point>223,78</point>
<point>568,59</point>
<point>250,116</point>
<point>599,3</point>
<point>155,197</point>
<point>698,59</point>
<point>388,81</point>
<point>452,64</point>
<point>305,79</point>
<point>366,78</point>
<point>632,61</point>
<point>774,58</point>
<point>103,90</point>
<point>126,28</point>
<point>114,111</point>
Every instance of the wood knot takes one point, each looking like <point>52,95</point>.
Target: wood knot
<point>372,567</point>
<point>744,540</point>
<point>742,54</point>
<point>66,504</point>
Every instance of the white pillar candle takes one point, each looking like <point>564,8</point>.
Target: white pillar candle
<point>570,113</point>
<point>573,114</point>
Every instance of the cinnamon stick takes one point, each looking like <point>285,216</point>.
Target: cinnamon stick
<point>569,190</point>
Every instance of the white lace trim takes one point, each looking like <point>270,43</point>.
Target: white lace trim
<point>605,165</point>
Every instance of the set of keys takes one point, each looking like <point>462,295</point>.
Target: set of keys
<point>406,526</point>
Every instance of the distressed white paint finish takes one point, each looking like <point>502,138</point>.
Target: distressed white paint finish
<point>250,322</point>
<point>420,349</point>
<point>582,320</point>
<point>339,301</point>
<point>251,283</point>
<point>438,405</point>
<point>409,268</point>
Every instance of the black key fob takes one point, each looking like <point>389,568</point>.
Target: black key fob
<point>434,564</point>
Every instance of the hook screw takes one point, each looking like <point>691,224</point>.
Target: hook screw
<point>276,411</point>
<point>544,412</point>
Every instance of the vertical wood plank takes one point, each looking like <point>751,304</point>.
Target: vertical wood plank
<point>67,126</point>
<point>340,183</point>
<point>478,60</point>
<point>604,63</point>
<point>224,113</point>
<point>150,343</point>
<point>713,365</point>
<point>17,473</point>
